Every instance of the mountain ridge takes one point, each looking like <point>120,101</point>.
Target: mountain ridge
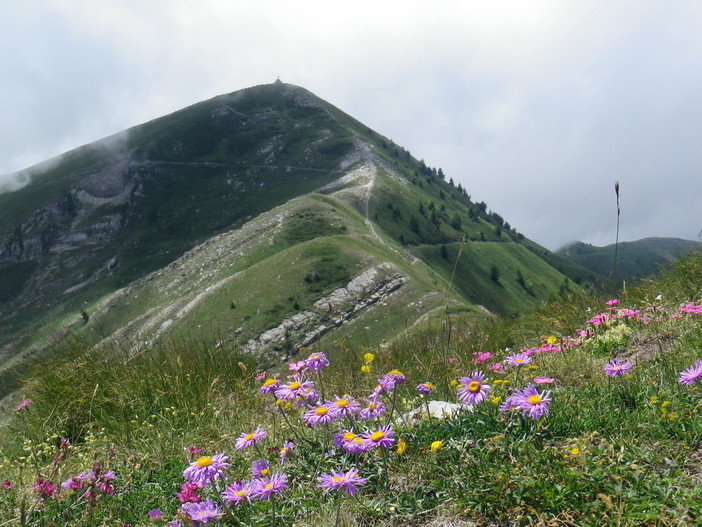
<point>98,224</point>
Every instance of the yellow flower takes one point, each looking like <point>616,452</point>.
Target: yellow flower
<point>495,400</point>
<point>365,368</point>
<point>575,451</point>
<point>368,357</point>
<point>665,404</point>
<point>436,446</point>
<point>401,447</point>
<point>653,400</point>
<point>454,382</point>
<point>497,382</point>
<point>552,339</point>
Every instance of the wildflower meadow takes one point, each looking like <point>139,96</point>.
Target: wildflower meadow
<point>584,412</point>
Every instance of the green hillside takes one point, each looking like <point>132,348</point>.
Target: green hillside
<point>266,218</point>
<point>634,260</point>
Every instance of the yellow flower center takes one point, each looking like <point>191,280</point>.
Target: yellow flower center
<point>265,472</point>
<point>204,461</point>
<point>372,406</point>
<point>269,486</point>
<point>249,437</point>
<point>534,399</point>
<point>348,436</point>
<point>337,479</point>
<point>269,382</point>
<point>474,386</point>
<point>321,410</point>
<point>377,436</point>
<point>294,385</point>
<point>341,403</point>
<point>395,372</point>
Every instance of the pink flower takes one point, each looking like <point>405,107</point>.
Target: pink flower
<point>543,380</point>
<point>23,405</point>
<point>497,367</point>
<point>481,357</point>
<point>188,493</point>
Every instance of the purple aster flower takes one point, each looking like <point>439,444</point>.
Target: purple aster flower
<point>348,481</point>
<point>260,469</point>
<point>391,380</point>
<point>201,513</point>
<point>265,488</point>
<point>317,361</point>
<point>510,404</point>
<point>374,410</point>
<point>350,442</point>
<point>533,403</point>
<point>425,388</point>
<point>285,451</point>
<point>307,395</point>
<point>269,386</point>
<point>617,367</point>
<point>343,406</point>
<point>319,415</point>
<point>155,515</point>
<point>471,389</point>
<point>237,492</point>
<point>692,374</point>
<point>205,469</point>
<point>246,440</point>
<point>383,437</point>
<point>518,359</point>
<point>294,389</point>
<point>74,483</point>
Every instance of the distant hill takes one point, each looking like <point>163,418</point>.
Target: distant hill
<point>638,259</point>
<point>264,217</point>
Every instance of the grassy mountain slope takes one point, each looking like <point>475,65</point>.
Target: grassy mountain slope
<point>265,218</point>
<point>635,260</point>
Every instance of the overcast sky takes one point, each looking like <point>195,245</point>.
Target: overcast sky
<point>536,107</point>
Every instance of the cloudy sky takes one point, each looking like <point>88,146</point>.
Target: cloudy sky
<point>536,107</point>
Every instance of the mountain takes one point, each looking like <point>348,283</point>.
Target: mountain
<point>265,217</point>
<point>635,260</point>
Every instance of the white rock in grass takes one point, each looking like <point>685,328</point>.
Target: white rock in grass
<point>437,409</point>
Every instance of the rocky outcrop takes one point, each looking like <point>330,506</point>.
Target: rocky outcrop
<point>60,236</point>
<point>332,311</point>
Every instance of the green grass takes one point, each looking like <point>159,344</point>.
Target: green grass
<point>611,450</point>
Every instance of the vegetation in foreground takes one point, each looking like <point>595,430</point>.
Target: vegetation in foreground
<point>583,413</point>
